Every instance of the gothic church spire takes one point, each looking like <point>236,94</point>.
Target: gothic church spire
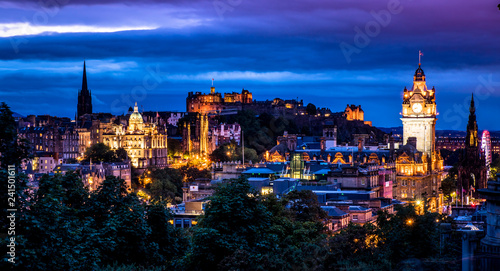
<point>84,97</point>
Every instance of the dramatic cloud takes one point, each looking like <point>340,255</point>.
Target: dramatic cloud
<point>26,29</point>
<point>326,52</point>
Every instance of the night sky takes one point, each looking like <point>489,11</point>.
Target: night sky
<point>154,52</point>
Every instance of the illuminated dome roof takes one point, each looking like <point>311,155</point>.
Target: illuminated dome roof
<point>136,117</point>
<point>419,74</point>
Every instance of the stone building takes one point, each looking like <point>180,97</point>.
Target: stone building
<point>225,133</point>
<point>419,167</point>
<point>44,138</point>
<point>420,115</point>
<point>145,143</point>
<point>356,177</point>
<point>353,112</point>
<point>419,125</point>
<point>215,103</point>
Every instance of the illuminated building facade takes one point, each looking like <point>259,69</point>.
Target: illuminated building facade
<point>145,143</point>
<point>419,167</point>
<point>195,135</point>
<point>419,116</point>
<point>225,133</point>
<point>214,102</point>
<point>353,112</point>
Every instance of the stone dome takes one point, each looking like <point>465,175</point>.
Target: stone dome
<point>135,117</point>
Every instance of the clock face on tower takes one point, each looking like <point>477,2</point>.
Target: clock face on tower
<point>417,108</point>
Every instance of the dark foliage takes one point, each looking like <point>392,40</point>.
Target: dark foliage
<point>191,174</point>
<point>451,157</point>
<point>100,152</point>
<point>311,109</point>
<point>233,152</point>
<point>163,184</point>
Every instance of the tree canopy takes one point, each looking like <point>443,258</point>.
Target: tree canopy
<point>232,152</point>
<point>163,184</point>
<point>100,152</point>
<point>311,109</point>
<point>67,227</point>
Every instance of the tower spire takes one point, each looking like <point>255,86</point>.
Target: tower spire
<point>84,96</point>
<point>472,108</point>
<point>84,80</point>
<point>472,170</point>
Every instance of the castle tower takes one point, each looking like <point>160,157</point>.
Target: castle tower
<point>84,97</point>
<point>419,115</point>
<point>472,165</point>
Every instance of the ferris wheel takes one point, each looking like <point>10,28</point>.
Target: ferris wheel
<point>486,148</point>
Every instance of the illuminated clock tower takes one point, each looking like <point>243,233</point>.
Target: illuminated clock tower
<point>419,115</point>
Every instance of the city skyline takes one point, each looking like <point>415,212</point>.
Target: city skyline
<point>273,50</point>
<point>250,135</point>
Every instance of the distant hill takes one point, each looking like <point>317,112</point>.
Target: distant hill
<point>17,115</point>
<point>451,133</point>
<point>393,130</point>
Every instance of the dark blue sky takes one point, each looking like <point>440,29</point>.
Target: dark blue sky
<point>327,52</point>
